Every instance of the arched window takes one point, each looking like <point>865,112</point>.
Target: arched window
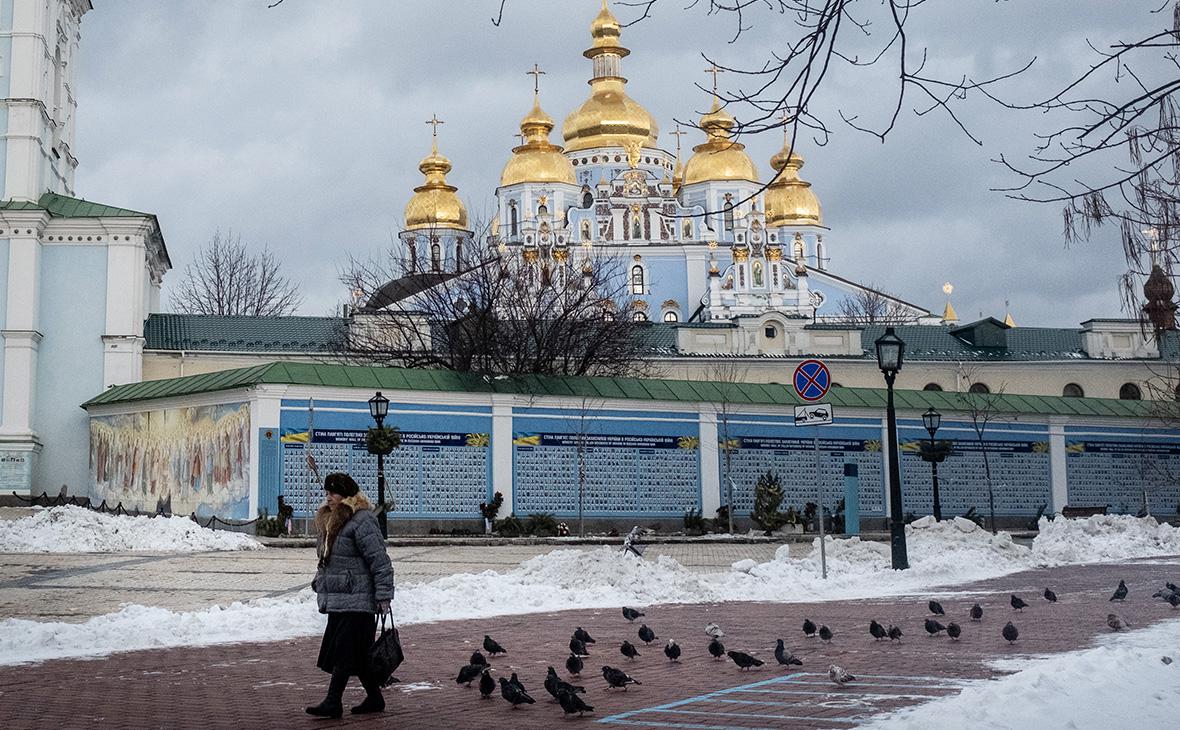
<point>637,284</point>
<point>932,386</point>
<point>1130,391</point>
<point>639,317</point>
<point>587,199</point>
<point>979,388</point>
<point>671,316</point>
<point>435,257</point>
<point>513,220</point>
<point>1073,390</point>
<point>820,261</point>
<point>729,216</point>
<point>770,332</point>
<point>458,254</point>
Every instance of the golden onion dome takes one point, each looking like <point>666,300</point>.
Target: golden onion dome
<point>609,118</point>
<point>537,160</point>
<point>434,203</point>
<point>789,199</point>
<point>719,158</point>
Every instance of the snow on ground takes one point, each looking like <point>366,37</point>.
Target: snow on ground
<point>940,554</point>
<point>72,529</point>
<point>1123,682</point>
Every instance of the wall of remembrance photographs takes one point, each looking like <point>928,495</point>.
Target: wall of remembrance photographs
<point>1123,468</point>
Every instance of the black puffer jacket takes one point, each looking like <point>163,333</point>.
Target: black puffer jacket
<point>354,571</point>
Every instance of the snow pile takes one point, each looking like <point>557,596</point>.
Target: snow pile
<point>72,529</point>
<point>1125,682</point>
<point>1103,537</point>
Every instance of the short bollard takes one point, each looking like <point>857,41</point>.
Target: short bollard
<point>851,500</point>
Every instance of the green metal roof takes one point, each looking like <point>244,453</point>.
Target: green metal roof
<point>692,391</point>
<point>62,206</point>
<point>209,333</point>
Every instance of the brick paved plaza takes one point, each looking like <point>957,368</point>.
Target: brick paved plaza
<point>266,684</point>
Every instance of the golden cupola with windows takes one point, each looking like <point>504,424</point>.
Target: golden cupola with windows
<point>537,160</point>
<point>609,118</point>
<point>790,201</point>
<point>435,203</point>
<point>720,158</point>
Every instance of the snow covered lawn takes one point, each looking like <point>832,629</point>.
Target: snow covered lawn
<point>72,529</point>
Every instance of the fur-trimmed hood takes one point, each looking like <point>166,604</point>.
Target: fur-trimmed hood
<point>330,521</point>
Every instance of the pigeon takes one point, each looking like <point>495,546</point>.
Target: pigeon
<point>976,612</point>
<point>491,647</point>
<point>825,634</point>
<point>1174,600</point>
<point>646,635</point>
<point>617,677</point>
<point>487,685</point>
<point>477,658</point>
<point>936,608</point>
<point>628,650</point>
<point>583,636</point>
<point>672,651</point>
<point>877,630</point>
<point>578,647</point>
<point>514,694</point>
<point>1120,593</point>
<point>714,631</point>
<point>571,703</point>
<point>839,675</point>
<point>744,660</point>
<point>631,614</point>
<point>573,665</point>
<point>716,648</point>
<point>808,628</point>
<point>894,633</point>
<point>469,674</point>
<point>785,657</point>
<point>933,627</point>
<point>1172,587</point>
<point>515,682</point>
<point>1117,622</point>
<point>1050,596</point>
<point>953,631</point>
<point>1009,632</point>
<point>555,686</point>
<point>1017,602</point>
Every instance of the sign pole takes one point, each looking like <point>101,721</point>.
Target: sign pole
<point>819,483</point>
<point>812,379</point>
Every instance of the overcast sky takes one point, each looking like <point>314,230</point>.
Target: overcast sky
<point>301,128</point>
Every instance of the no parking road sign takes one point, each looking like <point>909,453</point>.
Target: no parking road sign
<point>812,380</point>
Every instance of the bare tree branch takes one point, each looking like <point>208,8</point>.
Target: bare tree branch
<point>226,279</point>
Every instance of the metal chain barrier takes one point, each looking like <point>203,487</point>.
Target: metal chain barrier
<point>44,500</point>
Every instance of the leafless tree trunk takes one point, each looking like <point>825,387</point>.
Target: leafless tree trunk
<point>583,424</point>
<point>727,376</point>
<point>981,404</point>
<point>226,279</point>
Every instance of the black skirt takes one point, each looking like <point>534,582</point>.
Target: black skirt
<point>346,642</point>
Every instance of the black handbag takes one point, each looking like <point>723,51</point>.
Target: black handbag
<point>386,655</point>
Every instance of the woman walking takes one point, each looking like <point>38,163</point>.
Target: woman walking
<point>353,584</point>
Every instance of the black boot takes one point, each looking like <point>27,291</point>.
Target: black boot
<point>373,701</point>
<point>333,704</point>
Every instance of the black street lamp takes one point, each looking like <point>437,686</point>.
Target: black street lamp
<point>932,419</point>
<point>379,409</point>
<point>890,353</point>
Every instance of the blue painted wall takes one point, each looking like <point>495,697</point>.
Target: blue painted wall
<point>1123,468</point>
<point>69,364</point>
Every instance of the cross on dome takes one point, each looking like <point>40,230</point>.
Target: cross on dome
<point>536,73</point>
<point>434,121</point>
<point>715,70</point>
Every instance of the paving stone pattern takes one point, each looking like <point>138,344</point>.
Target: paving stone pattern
<point>267,684</point>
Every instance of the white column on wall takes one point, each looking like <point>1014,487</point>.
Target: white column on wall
<point>123,339</point>
<point>22,327</point>
<point>1057,467</point>
<point>502,450</point>
<point>885,468</point>
<point>710,464</point>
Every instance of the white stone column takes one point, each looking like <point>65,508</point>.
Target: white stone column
<point>265,412</point>
<point>1057,465</point>
<point>502,451</point>
<point>123,332</point>
<point>710,463</point>
<point>885,468</point>
<point>22,335</point>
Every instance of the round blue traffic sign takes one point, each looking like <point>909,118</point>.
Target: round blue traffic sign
<point>812,380</point>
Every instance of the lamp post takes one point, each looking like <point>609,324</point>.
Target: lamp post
<point>378,409</point>
<point>890,352</point>
<point>932,419</point>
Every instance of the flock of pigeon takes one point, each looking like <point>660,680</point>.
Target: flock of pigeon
<point>568,695</point>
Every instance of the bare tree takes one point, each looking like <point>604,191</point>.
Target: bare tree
<point>869,306</point>
<point>499,310</point>
<point>726,376</point>
<point>226,279</point>
<point>982,405</point>
<point>583,424</point>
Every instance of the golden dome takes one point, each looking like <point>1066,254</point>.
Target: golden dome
<point>719,158</point>
<point>434,203</point>
<point>609,118</point>
<point>790,200</point>
<point>537,160</point>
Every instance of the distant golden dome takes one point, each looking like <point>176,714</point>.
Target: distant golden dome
<point>789,199</point>
<point>434,203</point>
<point>609,118</point>
<point>537,160</point>
<point>719,158</point>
